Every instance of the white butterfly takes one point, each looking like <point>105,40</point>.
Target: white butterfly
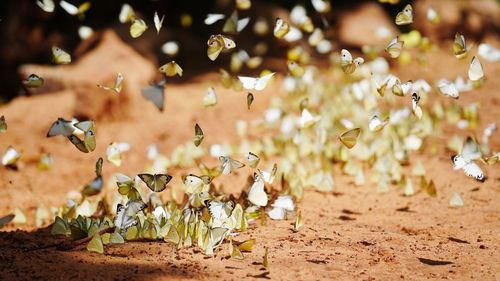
<point>321,6</point>
<point>448,88</point>
<point>69,8</point>
<point>158,22</point>
<point>282,205</point>
<point>126,215</point>
<point>257,195</point>
<point>229,164</point>
<point>62,127</point>
<point>475,70</point>
<point>257,84</point>
<point>213,18</point>
<point>488,52</point>
<point>376,124</point>
<point>465,160</point>
<point>219,210</point>
<point>456,200</point>
<point>11,156</point>
<point>46,5</point>
<point>85,32</point>
<point>417,110</point>
<point>210,99</point>
<point>307,119</point>
<point>118,84</point>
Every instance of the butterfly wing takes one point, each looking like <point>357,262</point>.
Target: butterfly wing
<point>198,135</point>
<point>137,28</point>
<point>475,70</point>
<point>261,83</point>
<point>161,181</point>
<point>248,82</point>
<point>350,137</point>
<point>155,94</point>
<point>406,16</point>
<point>470,150</point>
<point>257,195</point>
<point>473,170</point>
<point>78,143</point>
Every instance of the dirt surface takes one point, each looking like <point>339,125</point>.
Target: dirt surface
<point>353,233</point>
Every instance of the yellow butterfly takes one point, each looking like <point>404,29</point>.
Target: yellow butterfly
<point>405,16</point>
<point>243,4</point>
<point>347,63</point>
<point>229,164</point>
<point>460,49</point>
<point>59,56</point>
<point>198,135</point>
<point>350,137</point>
<point>253,160</point>
<point>171,69</point>
<point>216,44</point>
<point>281,28</point>
<point>394,47</point>
<point>3,125</point>
<point>118,84</point>
<point>250,99</point>
<point>137,28</point>
<point>233,25</point>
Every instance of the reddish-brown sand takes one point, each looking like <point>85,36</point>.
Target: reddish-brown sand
<point>354,233</point>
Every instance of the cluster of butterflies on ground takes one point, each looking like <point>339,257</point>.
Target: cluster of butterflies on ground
<point>303,124</point>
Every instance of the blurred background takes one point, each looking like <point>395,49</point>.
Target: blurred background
<point>28,32</point>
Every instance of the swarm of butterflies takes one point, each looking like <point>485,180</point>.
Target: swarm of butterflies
<point>310,133</point>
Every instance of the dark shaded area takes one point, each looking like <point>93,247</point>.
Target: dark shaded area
<point>434,262</point>
<point>36,259</point>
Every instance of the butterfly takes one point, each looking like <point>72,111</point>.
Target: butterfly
<point>126,215</point>
<point>321,6</point>
<point>465,160</point>
<point>6,219</point>
<point>59,56</point>
<point>243,4</point>
<point>114,154</point>
<point>295,69</point>
<point>3,125</point>
<point>401,89</point>
<point>96,244</point>
<point>195,184</point>
<point>250,99</point>
<point>417,110</point>
<point>170,48</point>
<point>257,194</point>
<point>219,210</point>
<point>96,185</point>
<point>376,124</point>
<point>432,15</point>
<point>74,10</point>
<point>405,16</point>
<point>233,25</point>
<point>316,37</point>
<point>307,120</point>
<point>158,22</point>
<point>126,13</point>
<point>475,70</point>
<point>347,63</point>
<point>488,52</point>
<point>157,182</point>
<point>88,143</point>
<point>460,49</point>
<point>198,135</point>
<point>10,157</point>
<point>269,176</point>
<point>213,18</point>
<point>85,32</point>
<point>394,47</point>
<point>118,84</point>
<point>281,28</point>
<point>155,93</point>
<point>46,5</point>
<point>33,81</point>
<point>171,69</point>
<point>350,137</point>
<point>253,160</point>
<point>46,162</point>
<point>448,88</point>
<point>137,28</point>
<point>229,164</point>
<point>216,44</point>
<point>456,200</point>
<point>282,205</point>
<point>210,98</point>
<point>257,84</point>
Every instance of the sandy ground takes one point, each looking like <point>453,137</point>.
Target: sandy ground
<point>351,234</point>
